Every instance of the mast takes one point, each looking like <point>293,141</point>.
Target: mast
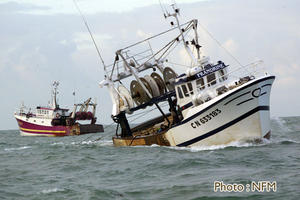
<point>185,43</point>
<point>196,41</point>
<point>133,67</point>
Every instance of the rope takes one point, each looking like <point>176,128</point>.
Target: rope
<point>97,138</point>
<point>154,36</point>
<point>226,50</point>
<point>88,28</point>
<point>171,50</point>
<point>132,140</point>
<point>138,115</point>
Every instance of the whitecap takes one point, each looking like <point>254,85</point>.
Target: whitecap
<point>52,190</point>
<point>57,143</point>
<point>17,148</point>
<point>146,146</point>
<point>105,142</point>
<point>93,142</point>
<point>222,146</point>
<point>283,140</point>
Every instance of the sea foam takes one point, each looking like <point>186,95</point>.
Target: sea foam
<point>17,148</point>
<point>52,190</point>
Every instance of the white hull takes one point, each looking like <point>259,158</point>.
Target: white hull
<point>240,114</point>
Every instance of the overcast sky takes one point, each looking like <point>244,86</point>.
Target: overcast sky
<point>43,41</point>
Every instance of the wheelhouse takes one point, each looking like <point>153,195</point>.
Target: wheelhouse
<point>46,112</point>
<point>202,82</point>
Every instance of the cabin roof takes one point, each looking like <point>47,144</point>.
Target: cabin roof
<point>44,108</point>
<point>209,69</point>
<point>47,108</point>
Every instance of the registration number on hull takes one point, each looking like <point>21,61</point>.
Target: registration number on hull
<point>206,118</point>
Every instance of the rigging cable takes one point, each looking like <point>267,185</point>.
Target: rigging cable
<point>137,116</point>
<point>230,54</point>
<point>163,9</point>
<point>93,135</point>
<point>168,53</point>
<point>149,38</point>
<point>87,26</point>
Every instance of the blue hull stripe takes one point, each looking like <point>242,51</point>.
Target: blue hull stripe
<point>215,131</point>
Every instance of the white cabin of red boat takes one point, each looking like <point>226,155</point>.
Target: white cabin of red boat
<point>46,112</point>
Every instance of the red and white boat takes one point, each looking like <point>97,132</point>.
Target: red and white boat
<point>54,121</point>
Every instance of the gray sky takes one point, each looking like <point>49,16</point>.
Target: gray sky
<point>46,41</point>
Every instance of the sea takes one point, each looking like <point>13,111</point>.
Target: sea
<point>90,167</point>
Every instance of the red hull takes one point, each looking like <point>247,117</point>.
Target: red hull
<point>30,129</point>
<point>34,129</point>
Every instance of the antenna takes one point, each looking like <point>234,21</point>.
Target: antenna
<point>164,10</point>
<point>87,26</point>
<point>74,95</point>
<point>175,14</point>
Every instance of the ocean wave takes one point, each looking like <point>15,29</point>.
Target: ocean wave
<point>280,122</point>
<point>240,144</point>
<point>146,146</point>
<point>57,143</point>
<point>285,141</point>
<point>52,190</point>
<point>249,143</point>
<point>99,142</point>
<point>217,147</point>
<point>17,148</point>
<point>88,142</point>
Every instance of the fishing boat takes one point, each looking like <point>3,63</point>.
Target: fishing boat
<point>54,121</point>
<point>209,103</point>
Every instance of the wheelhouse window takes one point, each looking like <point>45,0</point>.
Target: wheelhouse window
<point>190,86</point>
<point>185,90</point>
<point>200,83</point>
<point>222,75</point>
<point>179,92</point>
<point>211,79</point>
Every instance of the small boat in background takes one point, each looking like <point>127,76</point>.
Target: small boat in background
<point>54,121</point>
